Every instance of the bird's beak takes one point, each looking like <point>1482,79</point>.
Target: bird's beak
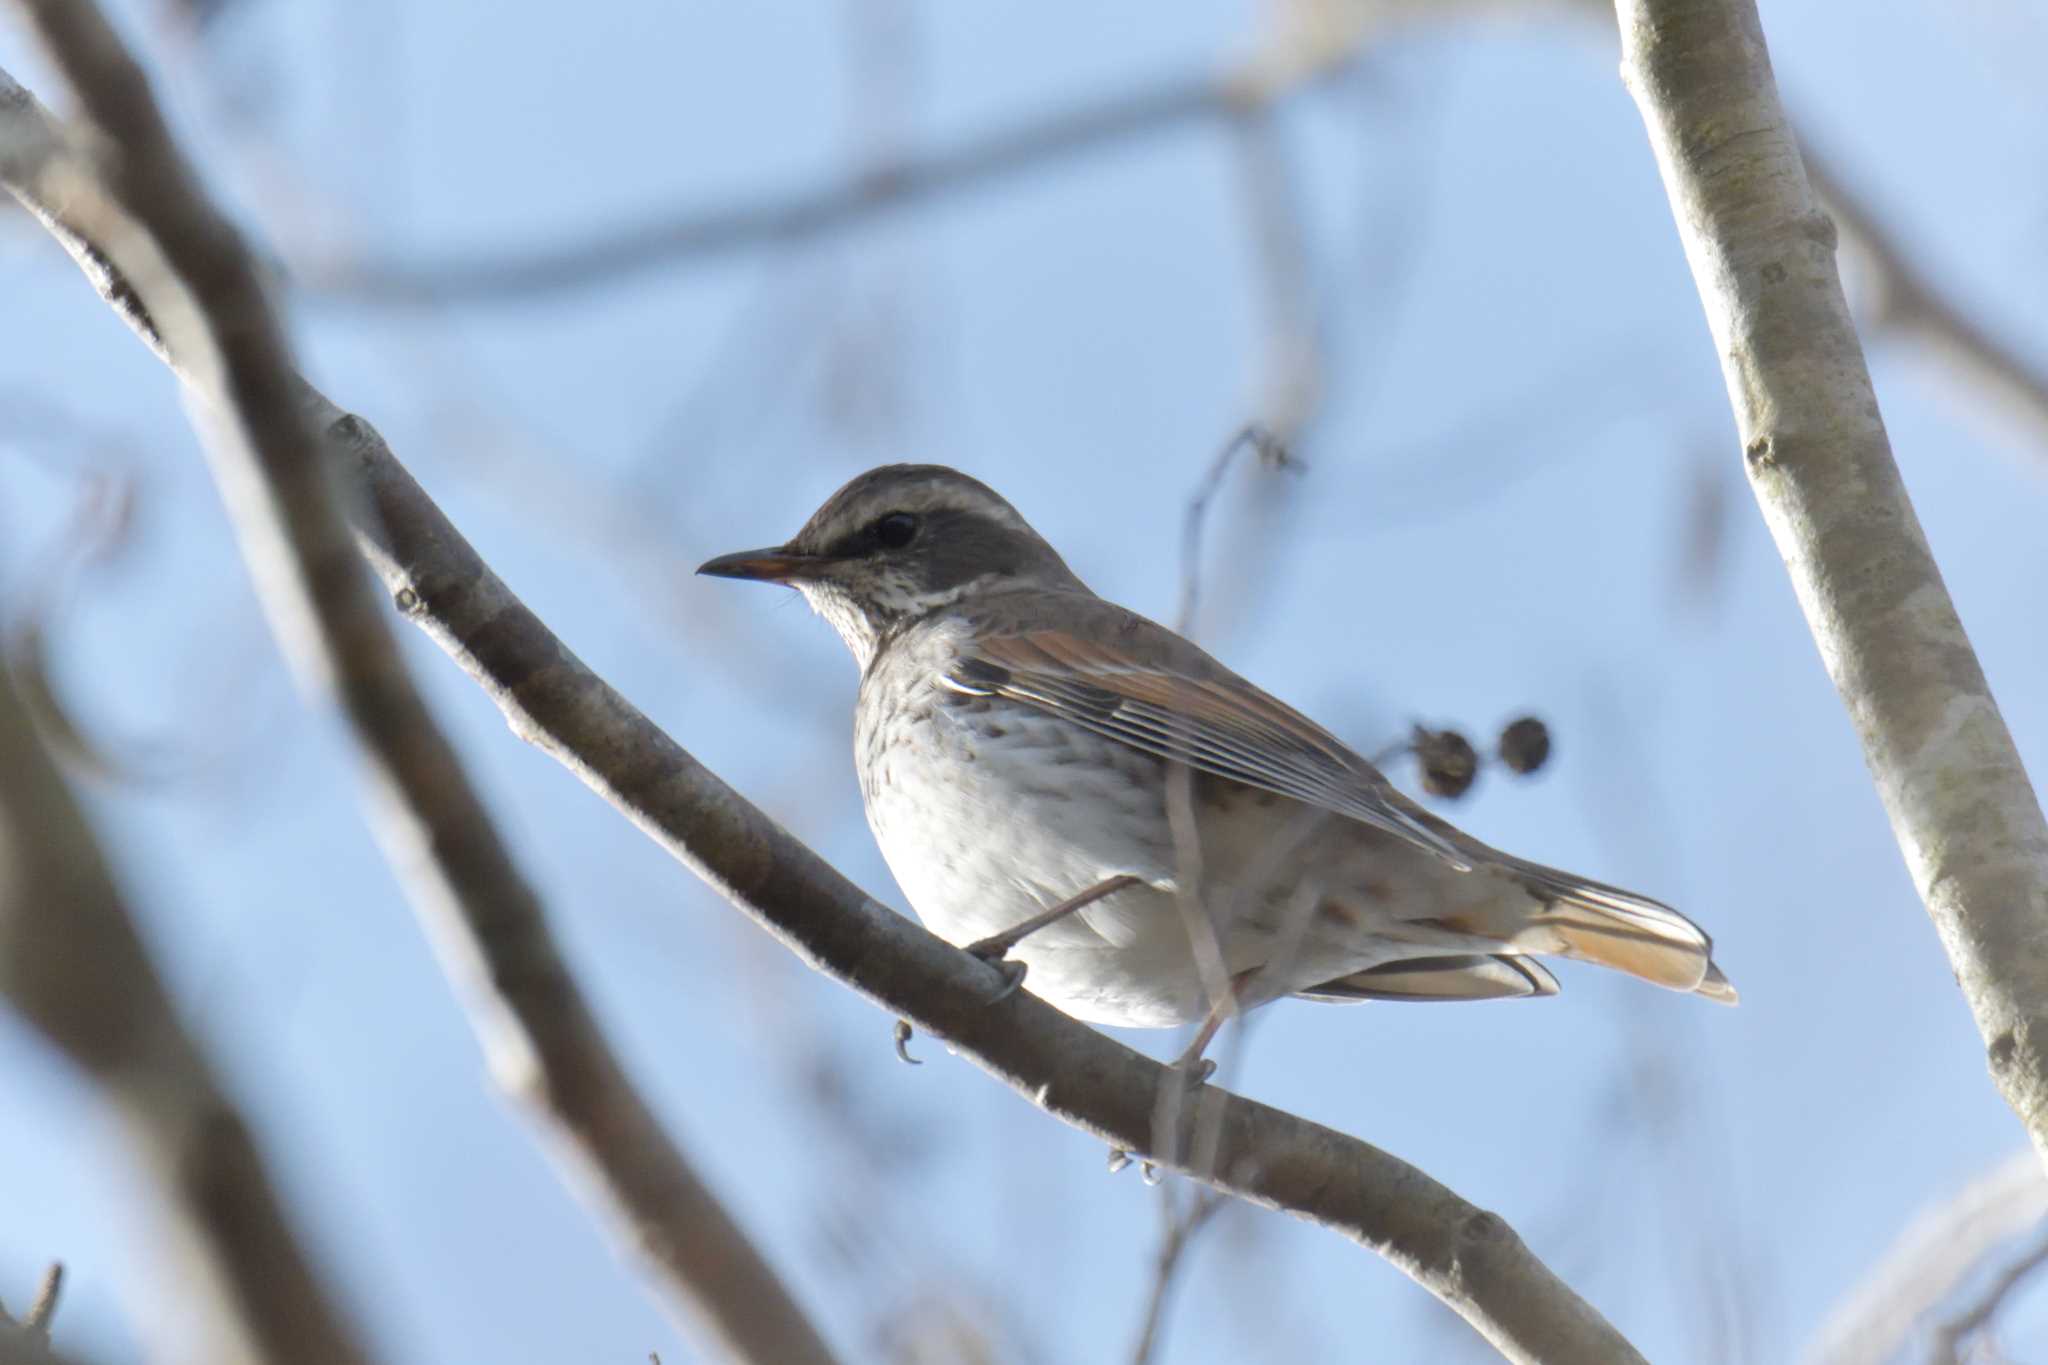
<point>777,564</point>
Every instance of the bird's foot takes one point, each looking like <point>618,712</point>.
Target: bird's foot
<point>993,951</point>
<point>1119,1160</point>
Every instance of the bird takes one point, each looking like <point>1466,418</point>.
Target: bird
<point>1061,785</point>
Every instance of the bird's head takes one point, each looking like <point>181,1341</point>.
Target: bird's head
<point>897,543</point>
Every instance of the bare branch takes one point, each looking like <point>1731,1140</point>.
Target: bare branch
<point>1181,1226</point>
<point>202,304</point>
<point>1277,221</point>
<point>42,1310</point>
<point>1469,1258</point>
<point>1762,254</point>
<point>1271,455</point>
<point>696,233</point>
<point>1936,1252</point>
<point>1909,304</point>
<point>1950,1336</point>
<point>73,965</point>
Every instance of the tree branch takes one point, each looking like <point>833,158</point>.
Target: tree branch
<point>1950,1335</point>
<point>1936,1252</point>
<point>782,218</point>
<point>1910,305</point>
<point>1909,302</point>
<point>1762,254</point>
<point>1178,1227</point>
<point>176,270</point>
<point>72,964</point>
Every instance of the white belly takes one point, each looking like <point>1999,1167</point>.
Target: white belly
<point>988,813</point>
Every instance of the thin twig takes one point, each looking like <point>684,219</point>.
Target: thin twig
<point>1910,305</point>
<point>1469,1258</point>
<point>1928,1261</point>
<point>695,233</point>
<point>1272,455</point>
<point>202,302</point>
<point>1950,1335</point>
<point>1276,221</point>
<point>1180,1228</point>
<point>1910,301</point>
<point>42,1310</point>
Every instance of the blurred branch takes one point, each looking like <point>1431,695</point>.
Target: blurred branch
<point>1934,1255</point>
<point>42,1310</point>
<point>1912,305</point>
<point>1467,1257</point>
<point>1762,254</point>
<point>1181,1226</point>
<point>1909,302</point>
<point>697,233</point>
<point>100,527</point>
<point>1950,1335</point>
<point>1909,305</point>
<point>163,255</point>
<point>73,965</point>
<point>1271,455</point>
<point>1274,215</point>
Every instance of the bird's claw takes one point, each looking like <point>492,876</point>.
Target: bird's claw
<point>1196,1071</point>
<point>1009,968</point>
<point>1118,1159</point>
<point>903,1035</point>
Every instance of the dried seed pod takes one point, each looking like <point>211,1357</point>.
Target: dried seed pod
<point>1449,763</point>
<point>1524,745</point>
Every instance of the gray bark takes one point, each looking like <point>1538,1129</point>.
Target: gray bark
<point>1762,252</point>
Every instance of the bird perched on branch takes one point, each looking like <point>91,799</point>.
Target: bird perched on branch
<point>1156,840</point>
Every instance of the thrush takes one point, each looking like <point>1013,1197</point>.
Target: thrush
<point>1058,780</point>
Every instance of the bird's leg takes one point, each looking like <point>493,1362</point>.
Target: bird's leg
<point>1197,1067</point>
<point>996,947</point>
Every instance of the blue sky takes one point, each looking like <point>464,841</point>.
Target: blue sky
<point>1522,494</point>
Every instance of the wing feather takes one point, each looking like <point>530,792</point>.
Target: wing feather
<point>1224,727</point>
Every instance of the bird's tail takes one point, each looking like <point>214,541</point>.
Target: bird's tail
<point>1590,922</point>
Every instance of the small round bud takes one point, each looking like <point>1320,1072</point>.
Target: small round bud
<point>1448,761</point>
<point>1524,745</point>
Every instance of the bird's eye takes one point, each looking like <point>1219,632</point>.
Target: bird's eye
<point>895,530</point>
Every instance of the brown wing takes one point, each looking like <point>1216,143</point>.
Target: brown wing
<point>1220,725</point>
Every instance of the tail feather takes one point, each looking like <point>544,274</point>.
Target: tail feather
<point>1592,922</point>
<point>1475,976</point>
